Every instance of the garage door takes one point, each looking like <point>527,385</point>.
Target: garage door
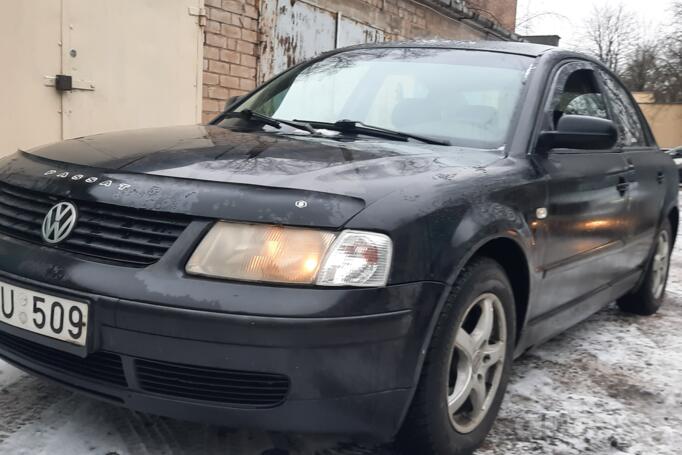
<point>296,31</point>
<point>122,64</point>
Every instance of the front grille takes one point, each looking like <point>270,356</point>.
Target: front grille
<point>106,232</point>
<point>100,366</point>
<point>211,384</point>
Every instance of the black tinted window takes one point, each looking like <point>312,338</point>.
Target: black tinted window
<point>577,93</point>
<point>627,120</point>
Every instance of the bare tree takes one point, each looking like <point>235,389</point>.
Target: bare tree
<point>611,34</point>
<point>640,70</point>
<point>530,14</point>
<point>668,87</point>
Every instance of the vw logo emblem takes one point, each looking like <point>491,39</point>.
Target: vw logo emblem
<point>59,222</point>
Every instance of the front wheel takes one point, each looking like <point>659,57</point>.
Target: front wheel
<point>467,366</point>
<point>648,298</point>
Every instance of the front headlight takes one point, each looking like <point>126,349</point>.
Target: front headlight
<point>256,252</point>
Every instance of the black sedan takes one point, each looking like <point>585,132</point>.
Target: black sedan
<point>362,245</point>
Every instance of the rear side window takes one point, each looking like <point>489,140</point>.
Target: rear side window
<point>630,132</point>
<point>576,92</point>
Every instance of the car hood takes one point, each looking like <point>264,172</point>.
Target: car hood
<point>367,169</point>
<point>239,174</point>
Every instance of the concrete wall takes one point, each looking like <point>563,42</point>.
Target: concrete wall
<point>666,122</point>
<point>503,12</point>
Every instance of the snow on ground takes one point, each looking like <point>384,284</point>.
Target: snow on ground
<point>611,385</point>
<point>8,375</point>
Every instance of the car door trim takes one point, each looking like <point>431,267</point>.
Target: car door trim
<point>569,262</point>
<point>631,275</point>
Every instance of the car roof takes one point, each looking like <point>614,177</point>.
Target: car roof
<point>509,47</point>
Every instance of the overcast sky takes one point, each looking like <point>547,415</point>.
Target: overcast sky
<point>565,17</point>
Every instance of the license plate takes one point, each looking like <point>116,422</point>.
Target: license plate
<point>51,316</point>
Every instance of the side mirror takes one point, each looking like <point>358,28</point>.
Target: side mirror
<point>579,132</point>
<point>232,101</point>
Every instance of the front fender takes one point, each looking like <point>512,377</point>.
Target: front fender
<point>477,227</point>
<point>439,227</point>
<point>436,226</point>
<point>461,227</point>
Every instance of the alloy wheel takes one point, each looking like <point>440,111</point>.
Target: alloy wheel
<point>660,265</point>
<point>477,362</point>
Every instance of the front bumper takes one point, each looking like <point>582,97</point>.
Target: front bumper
<point>351,373</point>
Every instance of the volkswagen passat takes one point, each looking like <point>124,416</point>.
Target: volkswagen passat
<point>362,245</point>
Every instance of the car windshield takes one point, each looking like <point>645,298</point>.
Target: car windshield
<point>465,97</point>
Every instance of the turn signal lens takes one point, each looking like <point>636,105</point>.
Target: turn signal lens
<point>277,254</point>
<point>357,258</point>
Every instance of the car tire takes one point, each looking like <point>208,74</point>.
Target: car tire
<point>647,299</point>
<point>430,426</point>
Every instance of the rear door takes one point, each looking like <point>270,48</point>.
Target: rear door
<point>647,176</point>
<point>588,199</point>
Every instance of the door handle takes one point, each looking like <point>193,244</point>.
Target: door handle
<point>622,186</point>
<point>660,177</point>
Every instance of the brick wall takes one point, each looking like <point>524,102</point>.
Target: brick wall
<point>501,11</point>
<point>230,52</point>
<point>406,19</point>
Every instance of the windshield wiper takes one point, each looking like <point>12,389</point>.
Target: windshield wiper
<point>354,126</point>
<point>248,114</point>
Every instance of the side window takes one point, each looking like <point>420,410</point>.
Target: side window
<point>576,92</point>
<point>630,131</point>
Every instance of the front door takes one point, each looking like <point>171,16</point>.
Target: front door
<point>584,229</point>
